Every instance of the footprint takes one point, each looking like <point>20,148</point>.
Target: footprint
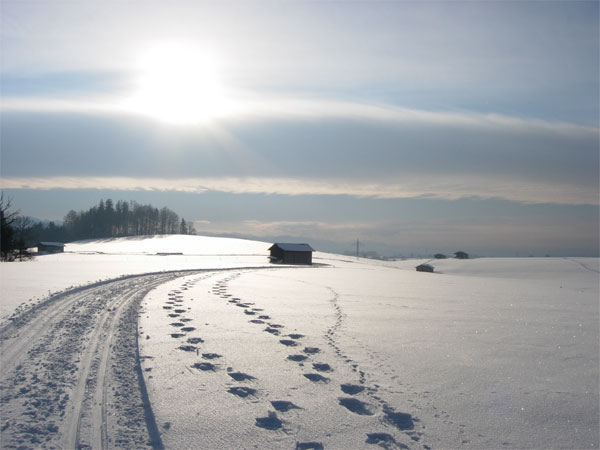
<point>271,422</point>
<point>177,335</point>
<point>249,313</point>
<point>275,325</point>
<point>272,330</point>
<point>355,405</point>
<point>257,321</point>
<point>322,367</point>
<point>176,324</point>
<point>296,336</point>
<point>283,405</point>
<point>188,348</point>
<point>316,378</point>
<point>383,440</point>
<point>264,317</point>
<point>402,421</point>
<point>195,340</point>
<point>241,376</point>
<point>352,389</point>
<point>186,320</point>
<point>205,366</point>
<point>167,307</point>
<point>288,342</point>
<point>297,358</point>
<point>179,310</point>
<point>211,355</point>
<point>173,315</point>
<point>309,446</point>
<point>311,350</point>
<point>187,329</point>
<point>242,391</point>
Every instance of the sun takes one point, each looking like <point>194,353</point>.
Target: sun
<point>179,84</point>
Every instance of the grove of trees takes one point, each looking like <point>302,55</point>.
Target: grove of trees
<point>106,220</point>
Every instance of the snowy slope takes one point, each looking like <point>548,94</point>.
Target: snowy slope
<point>470,362</point>
<point>186,244</point>
<point>93,260</point>
<point>349,353</point>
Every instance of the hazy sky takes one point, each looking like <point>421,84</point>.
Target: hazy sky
<point>413,126</point>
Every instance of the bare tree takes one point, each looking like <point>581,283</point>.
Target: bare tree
<point>8,235</point>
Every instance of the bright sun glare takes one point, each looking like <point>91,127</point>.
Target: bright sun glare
<point>179,84</point>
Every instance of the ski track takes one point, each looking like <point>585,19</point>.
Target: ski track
<point>70,369</point>
<point>396,429</point>
<point>71,375</point>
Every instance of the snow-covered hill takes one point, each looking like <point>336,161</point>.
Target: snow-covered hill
<point>349,353</point>
<point>99,259</point>
<point>186,244</point>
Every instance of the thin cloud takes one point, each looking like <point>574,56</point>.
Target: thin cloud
<point>301,147</point>
<point>447,188</point>
<point>249,107</point>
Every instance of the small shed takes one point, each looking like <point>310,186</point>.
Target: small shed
<point>291,253</point>
<point>425,268</point>
<point>50,247</point>
<point>461,255</point>
<point>439,256</point>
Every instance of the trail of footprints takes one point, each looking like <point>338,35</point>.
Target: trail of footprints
<point>302,355</point>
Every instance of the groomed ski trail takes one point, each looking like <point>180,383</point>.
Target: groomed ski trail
<point>70,369</point>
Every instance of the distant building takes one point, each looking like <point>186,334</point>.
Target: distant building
<point>291,253</point>
<point>50,247</point>
<point>461,255</point>
<point>439,256</point>
<point>425,268</point>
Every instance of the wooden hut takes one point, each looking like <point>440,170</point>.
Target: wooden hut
<point>50,247</point>
<point>461,255</point>
<point>425,268</point>
<point>291,253</point>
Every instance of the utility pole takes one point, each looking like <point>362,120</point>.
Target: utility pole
<point>357,248</point>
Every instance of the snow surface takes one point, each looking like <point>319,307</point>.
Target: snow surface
<point>94,260</point>
<point>348,353</point>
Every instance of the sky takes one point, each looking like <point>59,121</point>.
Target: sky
<point>415,127</point>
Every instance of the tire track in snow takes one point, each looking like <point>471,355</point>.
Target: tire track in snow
<point>69,368</point>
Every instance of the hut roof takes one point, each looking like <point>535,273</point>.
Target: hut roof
<point>293,247</point>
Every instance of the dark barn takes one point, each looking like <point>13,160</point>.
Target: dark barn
<point>291,253</point>
<point>425,268</point>
<point>51,247</point>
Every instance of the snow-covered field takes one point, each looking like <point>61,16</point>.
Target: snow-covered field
<point>215,348</point>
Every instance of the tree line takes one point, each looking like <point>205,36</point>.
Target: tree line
<point>105,220</point>
<point>108,219</point>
